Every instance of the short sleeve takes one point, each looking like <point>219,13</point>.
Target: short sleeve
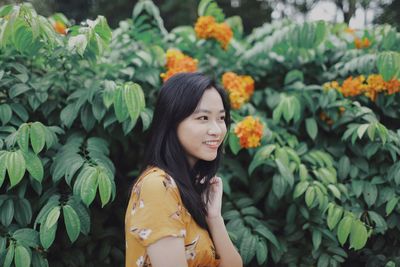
<point>157,211</point>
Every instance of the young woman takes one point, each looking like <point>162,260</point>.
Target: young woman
<point>173,218</point>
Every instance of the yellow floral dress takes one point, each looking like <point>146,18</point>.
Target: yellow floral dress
<point>155,211</point>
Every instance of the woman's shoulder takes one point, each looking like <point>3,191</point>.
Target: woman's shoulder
<point>155,178</point>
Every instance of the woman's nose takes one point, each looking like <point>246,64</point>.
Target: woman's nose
<point>214,129</point>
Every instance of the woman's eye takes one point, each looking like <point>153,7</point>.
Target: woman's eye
<point>222,118</point>
<point>202,118</point>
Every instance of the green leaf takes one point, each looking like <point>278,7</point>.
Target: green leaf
<point>120,108</point>
<point>210,8</point>
<point>108,93</point>
<point>344,229</point>
<point>134,99</point>
<point>23,137</point>
<point>390,205</point>
<point>34,166</point>
<point>279,185</point>
<point>361,130</point>
<point>371,131</point>
<point>5,113</point>
<point>42,216</point>
<point>300,188</point>
<point>263,231</point>
<point>15,167</point>
<point>47,235</point>
<point>37,136</point>
<point>22,257</point>
<point>89,186</point>
<point>7,212</point>
<point>294,76</point>
<point>69,114</point>
<point>261,156</point>
<point>358,235</point>
<point>261,251</point>
<point>248,248</point>
<point>285,172</point>
<point>83,215</point>
<point>334,215</point>
<point>344,167</point>
<point>388,63</point>
<point>3,161</point>
<point>312,128</point>
<point>9,256</point>
<point>18,89</point>
<point>288,108</point>
<point>146,115</point>
<point>310,196</point>
<point>234,144</point>
<point>52,217</point>
<point>27,237</point>
<point>316,239</point>
<point>104,188</point>
<point>335,191</point>
<point>3,243</point>
<point>102,29</point>
<point>23,211</point>
<point>277,113</point>
<point>78,43</point>
<point>303,172</point>
<point>72,222</point>
<point>323,260</point>
<point>5,10</point>
<point>370,194</point>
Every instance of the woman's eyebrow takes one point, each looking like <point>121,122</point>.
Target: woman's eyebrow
<point>206,111</point>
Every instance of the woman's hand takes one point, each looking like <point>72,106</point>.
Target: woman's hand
<point>214,203</point>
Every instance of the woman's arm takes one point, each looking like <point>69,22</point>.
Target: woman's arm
<point>223,245</point>
<point>167,252</point>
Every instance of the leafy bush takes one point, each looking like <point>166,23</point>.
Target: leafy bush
<point>313,180</point>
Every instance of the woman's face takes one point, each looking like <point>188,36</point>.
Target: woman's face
<point>203,131</point>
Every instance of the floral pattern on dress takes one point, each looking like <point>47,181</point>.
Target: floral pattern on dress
<point>190,249</point>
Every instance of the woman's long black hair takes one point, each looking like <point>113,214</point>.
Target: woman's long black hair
<point>178,98</point>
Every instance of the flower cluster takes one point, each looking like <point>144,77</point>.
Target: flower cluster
<point>358,43</point>
<point>60,27</point>
<point>178,62</point>
<point>240,88</point>
<point>249,131</point>
<point>206,27</point>
<point>370,87</point>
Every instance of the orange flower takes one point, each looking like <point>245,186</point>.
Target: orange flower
<point>331,85</point>
<point>249,84</point>
<point>353,87</point>
<point>360,44</point>
<point>223,34</point>
<point>370,87</point>
<point>393,86</point>
<point>206,27</point>
<point>249,131</point>
<point>350,30</point>
<point>178,62</point>
<point>375,85</point>
<point>60,27</point>
<point>240,88</point>
<point>325,118</point>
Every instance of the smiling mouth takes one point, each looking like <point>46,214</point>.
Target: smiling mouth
<point>211,143</point>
